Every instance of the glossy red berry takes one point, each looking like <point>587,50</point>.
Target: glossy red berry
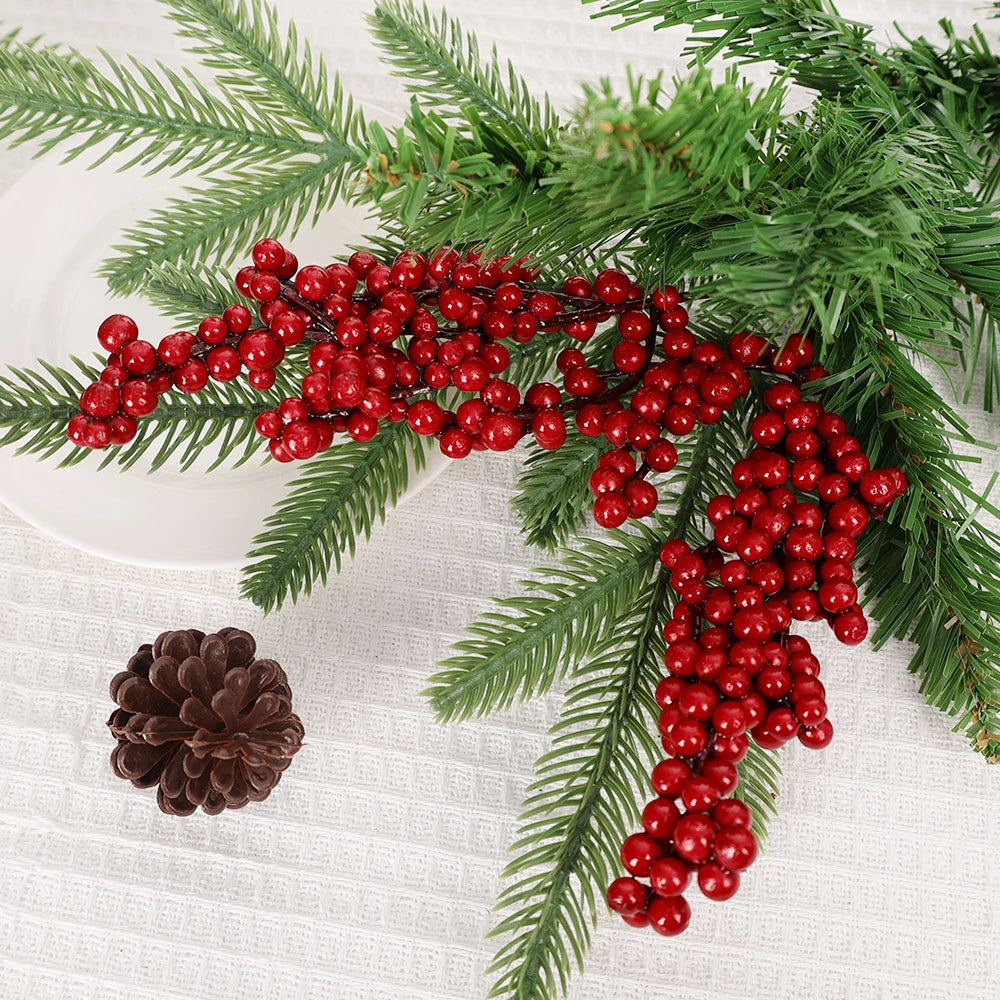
<point>425,417</point>
<point>116,331</point>
<point>611,510</point>
<point>100,400</point>
<point>500,431</point>
<point>638,853</point>
<point>693,836</point>
<point>735,848</point>
<point>850,628</point>
<point>659,817</point>
<point>732,812</point>
<point>716,883</point>
<point>260,351</point>
<point>138,398</point>
<point>817,737</point>
<point>627,895</point>
<point>668,915</point>
<point>669,776</point>
<point>191,377</point>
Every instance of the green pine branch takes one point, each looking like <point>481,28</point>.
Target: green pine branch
<point>807,33</point>
<point>580,807</point>
<point>552,490</point>
<point>533,640</point>
<point>256,62</point>
<point>432,55</point>
<point>187,296</point>
<point>586,799</point>
<point>144,116</point>
<point>35,406</point>
<point>931,571</point>
<point>337,498</point>
<point>213,220</point>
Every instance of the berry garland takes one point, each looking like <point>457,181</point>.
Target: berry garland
<point>733,670</point>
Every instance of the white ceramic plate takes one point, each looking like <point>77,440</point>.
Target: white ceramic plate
<point>58,222</point>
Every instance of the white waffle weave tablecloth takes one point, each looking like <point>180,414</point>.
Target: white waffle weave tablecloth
<point>371,871</point>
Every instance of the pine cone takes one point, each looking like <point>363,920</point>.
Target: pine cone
<point>204,721</point>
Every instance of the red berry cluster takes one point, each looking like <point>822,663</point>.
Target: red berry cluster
<point>386,336</point>
<point>733,669</point>
<point>137,373</point>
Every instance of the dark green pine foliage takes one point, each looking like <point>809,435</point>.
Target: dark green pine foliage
<point>867,220</point>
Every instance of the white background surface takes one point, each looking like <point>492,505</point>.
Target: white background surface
<point>371,871</point>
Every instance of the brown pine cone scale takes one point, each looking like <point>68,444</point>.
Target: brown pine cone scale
<point>204,721</point>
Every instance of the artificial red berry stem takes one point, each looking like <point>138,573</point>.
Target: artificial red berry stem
<point>733,668</point>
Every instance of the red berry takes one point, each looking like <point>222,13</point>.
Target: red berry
<point>693,837</point>
<point>661,456</point>
<point>668,915</point>
<point>848,516</point>
<point>850,628</point>
<point>76,429</point>
<point>638,853</point>
<point>669,776</point>
<point>138,357</point>
<point>116,331</point>
<point>674,320</point>
<point>544,306</point>
<point>627,896</point>
<point>361,427</point>
<point>289,328</point>
<point>730,717</point>
<point>669,876</point>
<point>191,377</point>
<point>123,428</point>
<point>549,427</point>
<point>261,381</point>
<point>699,794</point>
<point>689,738</point>
<point>97,434</point>
<point>716,883</point>
<point>455,443</point>
<point>659,817</point>
<point>731,748</point>
<point>640,496</point>
<point>301,439</point>
<point>817,737</point>
<point>746,348</point>
<point>265,287</point>
<point>138,398</point>
<point>268,254</point>
<point>735,848</point>
<point>100,400</point>
<point>611,510</point>
<point>732,812</point>
<point>665,298</point>
<point>260,351</point>
<point>500,431</point>
<point>611,286</point>
<point>268,424</point>
<point>425,417</point>
<point>876,487</point>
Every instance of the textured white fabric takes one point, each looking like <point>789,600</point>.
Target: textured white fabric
<point>370,873</point>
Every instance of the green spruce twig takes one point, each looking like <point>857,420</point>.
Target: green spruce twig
<point>336,498</point>
<point>142,116</point>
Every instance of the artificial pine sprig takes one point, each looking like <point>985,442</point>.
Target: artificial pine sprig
<point>35,404</point>
<point>334,501</point>
<point>433,55</point>
<point>159,119</point>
